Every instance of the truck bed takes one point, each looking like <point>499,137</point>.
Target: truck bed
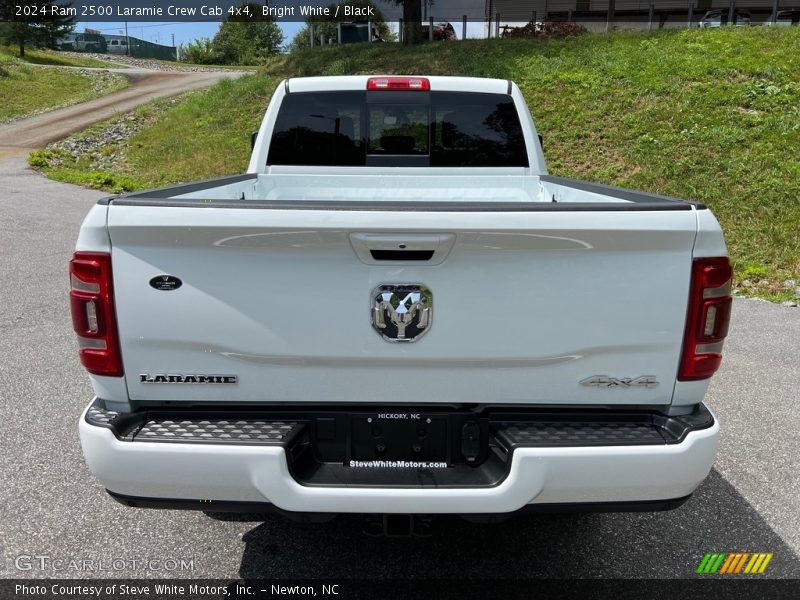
<point>417,189</point>
<point>541,285</point>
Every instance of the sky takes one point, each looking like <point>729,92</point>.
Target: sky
<point>161,33</point>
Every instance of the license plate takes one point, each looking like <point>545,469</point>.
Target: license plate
<point>399,436</point>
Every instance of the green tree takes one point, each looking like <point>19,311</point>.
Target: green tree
<point>246,42</point>
<point>198,52</point>
<point>412,20</point>
<point>19,31</point>
<point>34,30</point>
<point>56,27</point>
<point>327,27</point>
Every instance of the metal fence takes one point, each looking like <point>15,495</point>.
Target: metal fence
<point>609,15</point>
<point>500,16</point>
<point>92,41</point>
<point>144,49</point>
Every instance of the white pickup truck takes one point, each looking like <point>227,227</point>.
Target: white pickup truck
<point>397,311</point>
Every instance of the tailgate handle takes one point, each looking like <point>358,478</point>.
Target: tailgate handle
<point>422,255</point>
<point>375,248</point>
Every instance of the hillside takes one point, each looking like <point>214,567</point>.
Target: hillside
<point>711,115</point>
<point>37,83</point>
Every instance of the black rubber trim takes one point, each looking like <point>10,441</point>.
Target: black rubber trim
<point>543,429</point>
<point>229,506</point>
<point>410,206</point>
<point>152,425</point>
<point>247,431</point>
<point>536,427</point>
<point>560,434</point>
<point>632,200</point>
<point>165,193</point>
<point>591,507</point>
<point>619,192</point>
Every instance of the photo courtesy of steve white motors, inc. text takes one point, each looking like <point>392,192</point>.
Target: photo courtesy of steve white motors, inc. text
<point>137,590</point>
<point>167,590</point>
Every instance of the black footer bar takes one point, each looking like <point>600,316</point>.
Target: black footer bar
<point>705,588</point>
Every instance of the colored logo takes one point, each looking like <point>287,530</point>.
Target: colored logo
<point>727,563</point>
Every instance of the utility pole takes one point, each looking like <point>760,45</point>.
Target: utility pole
<point>127,41</point>
<point>611,15</point>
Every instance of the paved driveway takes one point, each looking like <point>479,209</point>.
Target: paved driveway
<point>19,137</point>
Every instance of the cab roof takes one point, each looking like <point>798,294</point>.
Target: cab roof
<point>359,82</point>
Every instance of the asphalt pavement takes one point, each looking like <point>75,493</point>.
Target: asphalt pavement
<point>52,507</point>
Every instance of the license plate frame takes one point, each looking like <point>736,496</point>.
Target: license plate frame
<point>400,436</point>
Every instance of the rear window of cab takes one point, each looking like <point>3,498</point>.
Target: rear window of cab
<point>398,128</point>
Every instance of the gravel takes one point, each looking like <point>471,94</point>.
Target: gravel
<point>107,143</point>
<point>102,81</point>
<point>144,63</point>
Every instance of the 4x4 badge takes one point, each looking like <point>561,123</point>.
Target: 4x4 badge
<point>604,381</point>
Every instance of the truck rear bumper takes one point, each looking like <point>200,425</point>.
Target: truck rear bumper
<point>219,475</point>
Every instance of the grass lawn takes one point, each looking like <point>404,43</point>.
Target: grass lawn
<point>710,115</point>
<point>27,88</point>
<point>9,54</point>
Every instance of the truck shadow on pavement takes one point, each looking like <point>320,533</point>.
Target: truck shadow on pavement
<point>620,545</point>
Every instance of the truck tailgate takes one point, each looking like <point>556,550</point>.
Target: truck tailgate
<point>526,304</point>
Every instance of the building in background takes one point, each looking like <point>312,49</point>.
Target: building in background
<point>598,15</point>
<point>91,40</point>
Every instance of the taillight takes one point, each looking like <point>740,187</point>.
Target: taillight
<point>707,319</point>
<point>93,319</point>
<point>398,83</point>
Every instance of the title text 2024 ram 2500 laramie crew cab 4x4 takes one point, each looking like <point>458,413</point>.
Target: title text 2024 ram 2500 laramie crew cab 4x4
<point>398,311</point>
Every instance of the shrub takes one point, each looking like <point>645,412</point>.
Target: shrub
<point>753,271</point>
<point>546,29</point>
<point>561,29</point>
<point>199,52</point>
<point>39,158</point>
